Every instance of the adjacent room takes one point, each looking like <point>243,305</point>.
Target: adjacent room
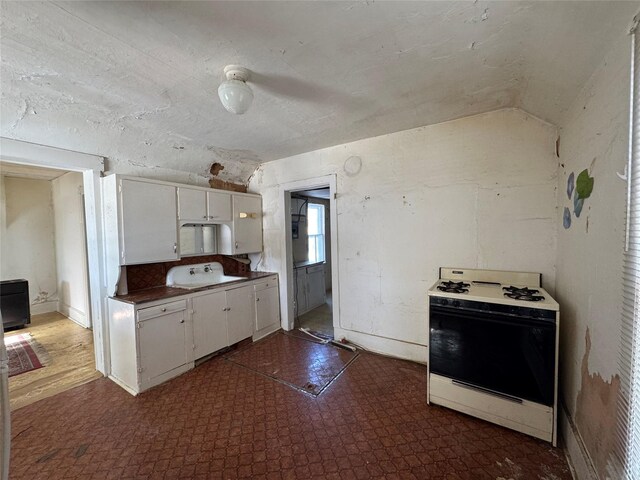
<point>44,275</point>
<point>333,240</point>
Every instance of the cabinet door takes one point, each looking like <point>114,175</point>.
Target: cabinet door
<point>192,204</point>
<point>267,308</point>
<point>247,224</point>
<point>315,287</point>
<point>161,344</point>
<point>149,222</point>
<point>240,313</point>
<point>209,324</point>
<point>219,205</point>
<point>301,290</point>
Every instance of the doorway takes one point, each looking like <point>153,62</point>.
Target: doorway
<point>310,270</point>
<point>311,256</point>
<point>91,167</point>
<point>43,231</point>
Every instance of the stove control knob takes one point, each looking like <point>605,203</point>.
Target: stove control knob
<point>485,306</point>
<point>535,313</point>
<point>456,303</point>
<point>444,301</point>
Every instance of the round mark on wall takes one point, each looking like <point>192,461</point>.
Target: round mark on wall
<point>352,166</point>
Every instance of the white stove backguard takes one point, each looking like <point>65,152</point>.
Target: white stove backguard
<point>529,279</point>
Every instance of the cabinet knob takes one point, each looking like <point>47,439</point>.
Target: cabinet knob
<point>236,244</point>
<point>163,309</point>
<point>175,247</point>
<point>257,299</point>
<point>205,216</point>
<point>182,321</point>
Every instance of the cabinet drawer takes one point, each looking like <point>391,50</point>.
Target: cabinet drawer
<point>164,309</point>
<point>269,282</point>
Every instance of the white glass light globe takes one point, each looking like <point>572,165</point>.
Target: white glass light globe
<point>235,95</point>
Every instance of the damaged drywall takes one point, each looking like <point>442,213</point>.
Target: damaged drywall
<point>589,260</point>
<point>215,182</point>
<point>597,411</point>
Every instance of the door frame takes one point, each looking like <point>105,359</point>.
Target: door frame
<point>92,168</point>
<point>286,266</point>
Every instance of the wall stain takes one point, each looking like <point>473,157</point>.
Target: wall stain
<point>596,412</point>
<point>224,185</point>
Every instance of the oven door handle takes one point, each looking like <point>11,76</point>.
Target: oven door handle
<point>487,316</point>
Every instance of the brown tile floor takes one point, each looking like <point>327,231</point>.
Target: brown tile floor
<point>295,361</point>
<point>222,420</point>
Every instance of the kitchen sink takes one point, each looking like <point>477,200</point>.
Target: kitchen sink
<point>198,275</point>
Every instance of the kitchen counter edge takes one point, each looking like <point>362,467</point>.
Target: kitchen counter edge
<point>161,293</point>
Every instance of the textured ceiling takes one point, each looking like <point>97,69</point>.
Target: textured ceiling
<point>136,81</point>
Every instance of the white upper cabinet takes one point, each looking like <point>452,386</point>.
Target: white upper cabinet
<point>244,235</point>
<point>219,206</point>
<point>148,227</point>
<point>192,204</point>
<point>196,205</point>
<point>142,219</point>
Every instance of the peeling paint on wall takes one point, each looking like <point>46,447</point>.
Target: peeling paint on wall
<point>596,411</point>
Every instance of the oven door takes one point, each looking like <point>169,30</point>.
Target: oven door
<point>494,351</point>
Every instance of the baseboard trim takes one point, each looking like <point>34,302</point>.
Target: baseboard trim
<point>385,346</point>
<point>579,460</point>
<point>74,314</point>
<point>44,307</point>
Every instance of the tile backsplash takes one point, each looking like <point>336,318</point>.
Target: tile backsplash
<point>151,275</point>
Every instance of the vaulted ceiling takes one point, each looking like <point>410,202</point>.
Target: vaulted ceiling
<point>136,81</point>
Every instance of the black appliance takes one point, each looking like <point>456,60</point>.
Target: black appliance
<point>14,303</point>
<point>504,350</point>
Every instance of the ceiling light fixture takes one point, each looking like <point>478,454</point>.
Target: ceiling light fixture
<point>234,93</point>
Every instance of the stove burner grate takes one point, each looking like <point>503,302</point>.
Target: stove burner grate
<point>454,287</point>
<point>522,293</point>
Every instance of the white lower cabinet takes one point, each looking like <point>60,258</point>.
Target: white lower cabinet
<point>209,323</point>
<point>153,342</point>
<point>240,313</point>
<point>316,290</point>
<point>310,288</point>
<point>267,308</point>
<point>148,345</point>
<point>169,331</point>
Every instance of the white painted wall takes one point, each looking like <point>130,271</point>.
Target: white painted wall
<point>70,247</point>
<point>27,239</point>
<point>590,253</point>
<point>474,192</point>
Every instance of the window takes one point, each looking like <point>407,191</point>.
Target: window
<point>315,231</point>
<point>627,450</point>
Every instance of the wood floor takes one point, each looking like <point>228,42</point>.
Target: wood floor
<point>70,360</point>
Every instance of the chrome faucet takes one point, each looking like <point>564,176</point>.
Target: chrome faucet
<point>192,271</point>
<point>207,268</point>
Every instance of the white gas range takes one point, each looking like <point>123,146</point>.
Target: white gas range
<point>493,348</point>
